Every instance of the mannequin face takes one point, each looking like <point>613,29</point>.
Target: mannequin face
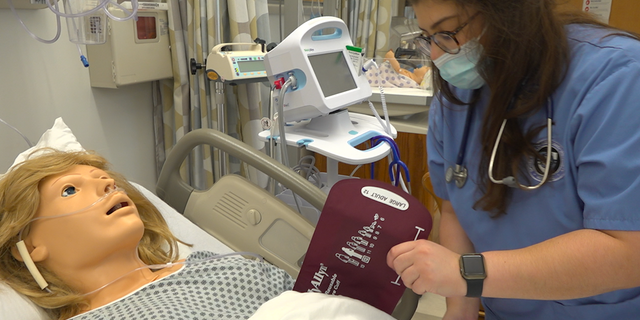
<point>440,16</point>
<point>86,238</point>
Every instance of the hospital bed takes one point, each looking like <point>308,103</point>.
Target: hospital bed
<point>217,219</point>
<point>245,216</point>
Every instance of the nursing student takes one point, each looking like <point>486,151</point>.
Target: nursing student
<point>533,145</point>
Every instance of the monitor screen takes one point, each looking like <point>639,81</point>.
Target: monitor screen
<point>332,72</point>
<point>146,28</point>
<point>251,66</point>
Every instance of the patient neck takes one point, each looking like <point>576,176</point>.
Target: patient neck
<point>118,272</point>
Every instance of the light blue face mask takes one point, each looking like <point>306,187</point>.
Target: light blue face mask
<point>460,69</point>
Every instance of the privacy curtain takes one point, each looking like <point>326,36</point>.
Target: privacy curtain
<point>369,22</point>
<point>188,102</point>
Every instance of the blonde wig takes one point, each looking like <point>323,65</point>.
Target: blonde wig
<point>19,199</point>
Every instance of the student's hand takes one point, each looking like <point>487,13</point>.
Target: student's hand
<point>426,266</point>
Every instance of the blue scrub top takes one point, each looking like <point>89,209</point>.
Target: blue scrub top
<point>595,184</point>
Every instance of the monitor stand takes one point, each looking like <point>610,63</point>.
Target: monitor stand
<point>336,136</point>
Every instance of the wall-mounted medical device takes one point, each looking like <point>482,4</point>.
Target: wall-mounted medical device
<point>236,66</point>
<point>25,4</point>
<point>86,19</point>
<point>134,52</point>
<point>316,54</point>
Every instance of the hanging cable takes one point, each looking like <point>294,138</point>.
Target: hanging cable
<point>280,20</point>
<point>58,25</point>
<point>101,5</point>
<point>310,171</point>
<point>269,125</point>
<point>128,14</point>
<point>279,120</point>
<point>56,10</point>
<point>18,131</point>
<point>76,15</point>
<point>386,124</point>
<point>355,170</point>
<point>84,60</point>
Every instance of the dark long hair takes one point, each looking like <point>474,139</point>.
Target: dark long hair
<point>525,57</point>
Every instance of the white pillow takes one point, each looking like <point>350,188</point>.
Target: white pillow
<point>58,137</point>
<point>14,306</point>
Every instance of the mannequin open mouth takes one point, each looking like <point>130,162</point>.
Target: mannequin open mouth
<point>117,206</point>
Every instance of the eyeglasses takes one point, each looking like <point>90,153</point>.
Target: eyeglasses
<point>445,40</point>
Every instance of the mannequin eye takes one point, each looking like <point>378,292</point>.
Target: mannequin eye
<point>68,191</point>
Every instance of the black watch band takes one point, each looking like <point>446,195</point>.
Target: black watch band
<point>474,288</point>
<point>473,272</point>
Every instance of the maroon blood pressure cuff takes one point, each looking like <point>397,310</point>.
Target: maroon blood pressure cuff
<point>361,220</point>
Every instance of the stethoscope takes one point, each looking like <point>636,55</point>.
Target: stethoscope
<point>459,174</point>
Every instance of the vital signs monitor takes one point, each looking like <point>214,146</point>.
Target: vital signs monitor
<point>316,55</point>
<point>319,79</point>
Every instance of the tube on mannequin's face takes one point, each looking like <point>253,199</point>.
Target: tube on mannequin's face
<point>439,16</point>
<point>84,239</point>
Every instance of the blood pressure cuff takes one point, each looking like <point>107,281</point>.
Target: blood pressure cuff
<point>360,222</point>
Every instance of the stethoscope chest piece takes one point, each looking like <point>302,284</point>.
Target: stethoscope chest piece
<point>459,174</point>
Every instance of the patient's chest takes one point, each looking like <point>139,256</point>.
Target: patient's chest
<point>228,288</point>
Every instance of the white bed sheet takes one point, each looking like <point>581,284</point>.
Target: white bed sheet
<point>291,305</point>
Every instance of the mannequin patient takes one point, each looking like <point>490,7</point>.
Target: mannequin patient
<point>418,73</point>
<point>93,236</point>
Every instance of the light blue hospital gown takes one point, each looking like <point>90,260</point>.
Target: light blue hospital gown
<point>595,183</point>
<point>227,288</point>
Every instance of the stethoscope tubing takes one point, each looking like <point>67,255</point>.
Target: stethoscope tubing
<point>465,137</point>
<point>460,173</point>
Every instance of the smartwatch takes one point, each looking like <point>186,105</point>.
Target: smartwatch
<point>473,271</point>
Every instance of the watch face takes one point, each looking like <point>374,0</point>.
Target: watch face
<point>474,265</point>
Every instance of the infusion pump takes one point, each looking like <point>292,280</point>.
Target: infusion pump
<point>236,66</point>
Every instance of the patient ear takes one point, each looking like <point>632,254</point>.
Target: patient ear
<point>38,254</point>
